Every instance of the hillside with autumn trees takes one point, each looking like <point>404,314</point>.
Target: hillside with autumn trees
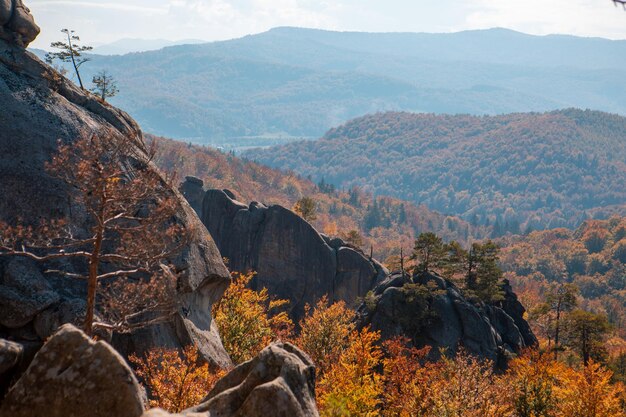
<point>513,173</point>
<point>590,260</point>
<point>383,224</point>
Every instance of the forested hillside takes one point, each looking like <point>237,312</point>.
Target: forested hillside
<point>294,83</point>
<point>514,172</point>
<point>592,258</point>
<point>383,223</point>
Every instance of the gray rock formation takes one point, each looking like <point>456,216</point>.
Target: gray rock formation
<point>39,109</point>
<point>431,311</point>
<point>17,25</point>
<point>279,382</point>
<point>24,293</point>
<point>73,376</point>
<point>10,354</point>
<point>192,190</point>
<point>292,260</point>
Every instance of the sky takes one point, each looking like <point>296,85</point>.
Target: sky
<point>105,21</point>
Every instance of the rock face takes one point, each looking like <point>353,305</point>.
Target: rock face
<point>17,25</point>
<point>279,382</point>
<point>292,260</point>
<point>431,311</point>
<point>11,354</point>
<point>73,376</point>
<point>24,293</point>
<point>39,109</point>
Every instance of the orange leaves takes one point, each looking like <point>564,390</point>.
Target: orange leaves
<point>588,392</point>
<point>176,380</point>
<point>465,386</point>
<point>533,378</point>
<point>352,386</point>
<point>325,332</point>
<point>248,320</point>
<point>407,379</point>
<point>543,387</point>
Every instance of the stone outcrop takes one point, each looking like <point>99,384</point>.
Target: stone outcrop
<point>279,382</point>
<point>17,25</point>
<point>73,376</point>
<point>431,311</point>
<point>291,259</point>
<point>40,109</point>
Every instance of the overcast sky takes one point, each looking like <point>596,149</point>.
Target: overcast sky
<point>103,21</point>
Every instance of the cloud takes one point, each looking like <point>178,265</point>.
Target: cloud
<point>122,6</point>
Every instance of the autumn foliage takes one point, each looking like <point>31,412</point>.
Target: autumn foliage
<point>249,320</point>
<point>358,374</point>
<point>176,379</point>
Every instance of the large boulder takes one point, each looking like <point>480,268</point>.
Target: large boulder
<point>41,109</point>
<point>431,311</point>
<point>17,25</point>
<point>279,382</point>
<point>73,376</point>
<point>292,260</point>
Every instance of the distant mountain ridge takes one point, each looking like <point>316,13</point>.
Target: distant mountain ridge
<point>516,171</point>
<point>298,83</point>
<point>129,45</point>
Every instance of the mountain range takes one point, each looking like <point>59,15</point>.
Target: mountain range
<point>297,83</point>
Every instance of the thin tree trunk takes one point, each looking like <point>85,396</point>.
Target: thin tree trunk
<point>94,261</point>
<point>556,331</point>
<point>80,81</point>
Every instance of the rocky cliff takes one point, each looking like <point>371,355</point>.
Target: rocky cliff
<point>40,108</point>
<point>432,311</point>
<point>291,259</point>
<point>16,23</point>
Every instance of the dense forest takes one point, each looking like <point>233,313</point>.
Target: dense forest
<point>382,223</point>
<point>592,258</point>
<point>515,173</point>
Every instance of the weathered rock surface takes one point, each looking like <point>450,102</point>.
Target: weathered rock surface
<point>17,25</point>
<point>279,382</point>
<point>73,376</point>
<point>10,353</point>
<point>292,260</point>
<point>39,109</point>
<point>431,311</point>
<point>24,292</point>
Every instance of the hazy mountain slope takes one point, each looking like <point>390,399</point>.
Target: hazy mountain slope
<point>546,170</point>
<point>300,82</point>
<point>129,45</point>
